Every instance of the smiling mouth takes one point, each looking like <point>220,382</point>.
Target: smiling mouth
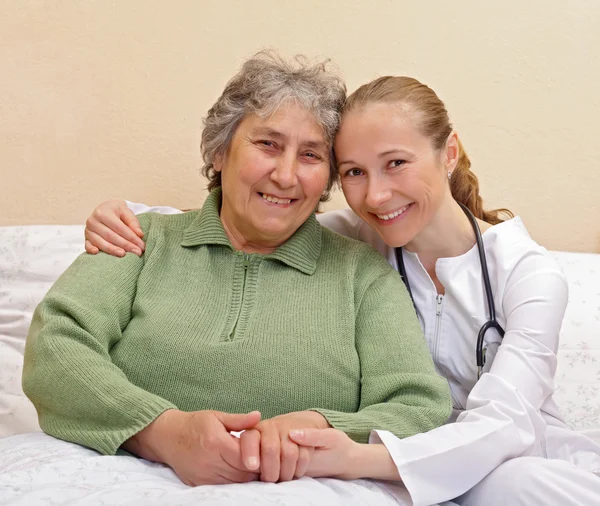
<point>276,200</point>
<point>395,214</point>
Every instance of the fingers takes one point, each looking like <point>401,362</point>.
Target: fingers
<point>237,422</point>
<point>294,461</point>
<point>270,447</point>
<point>231,454</point>
<point>288,459</point>
<point>200,449</point>
<point>130,219</point>
<point>90,248</point>
<point>114,238</point>
<point>116,224</point>
<point>316,438</point>
<point>250,447</point>
<point>304,456</point>
<point>100,244</point>
<point>129,239</point>
<point>112,229</point>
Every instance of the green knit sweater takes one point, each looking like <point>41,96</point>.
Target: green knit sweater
<point>322,323</point>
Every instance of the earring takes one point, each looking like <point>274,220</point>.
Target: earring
<point>449,175</point>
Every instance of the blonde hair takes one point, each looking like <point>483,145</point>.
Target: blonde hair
<point>263,84</point>
<point>434,123</point>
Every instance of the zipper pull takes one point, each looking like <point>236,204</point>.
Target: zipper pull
<point>246,260</point>
<point>439,299</point>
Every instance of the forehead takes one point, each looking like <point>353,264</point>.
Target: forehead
<point>384,120</point>
<point>288,121</point>
<point>369,132</point>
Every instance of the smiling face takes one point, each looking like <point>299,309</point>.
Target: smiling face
<point>392,176</point>
<point>272,177</point>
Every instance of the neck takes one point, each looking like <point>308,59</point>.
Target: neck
<point>448,234</point>
<point>242,243</point>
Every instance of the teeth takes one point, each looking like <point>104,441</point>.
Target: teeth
<point>275,200</point>
<point>392,215</point>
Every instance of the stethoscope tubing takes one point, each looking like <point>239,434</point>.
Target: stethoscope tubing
<point>492,322</point>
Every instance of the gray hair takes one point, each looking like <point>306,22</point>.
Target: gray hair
<point>263,84</point>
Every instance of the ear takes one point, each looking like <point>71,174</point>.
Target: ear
<point>218,162</point>
<point>451,152</point>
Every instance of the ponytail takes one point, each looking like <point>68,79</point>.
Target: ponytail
<point>464,186</point>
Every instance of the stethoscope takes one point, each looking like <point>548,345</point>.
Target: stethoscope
<point>492,323</point>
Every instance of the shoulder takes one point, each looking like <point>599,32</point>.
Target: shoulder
<point>159,228</point>
<point>513,247</point>
<point>166,223</point>
<point>342,245</point>
<point>347,223</point>
<point>342,221</point>
<point>355,259</point>
<point>525,266</point>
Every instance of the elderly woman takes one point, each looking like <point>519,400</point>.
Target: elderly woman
<point>248,304</point>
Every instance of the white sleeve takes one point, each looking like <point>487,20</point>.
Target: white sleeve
<point>502,419</point>
<point>137,208</point>
<point>342,221</point>
<point>345,222</point>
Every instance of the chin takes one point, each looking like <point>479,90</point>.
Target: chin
<point>396,235</point>
<point>274,230</point>
<point>394,238</point>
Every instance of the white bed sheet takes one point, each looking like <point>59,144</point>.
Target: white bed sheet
<point>36,469</point>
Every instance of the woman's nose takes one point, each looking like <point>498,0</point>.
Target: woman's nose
<point>378,193</point>
<point>285,173</point>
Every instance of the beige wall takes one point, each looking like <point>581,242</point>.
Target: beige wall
<point>104,98</point>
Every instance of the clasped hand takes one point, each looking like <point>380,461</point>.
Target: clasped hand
<point>201,450</point>
<point>267,448</point>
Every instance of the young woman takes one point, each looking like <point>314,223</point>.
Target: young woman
<point>412,197</point>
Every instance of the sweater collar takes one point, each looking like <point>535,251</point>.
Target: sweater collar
<point>301,251</point>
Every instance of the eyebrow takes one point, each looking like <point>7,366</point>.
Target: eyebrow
<point>269,132</point>
<point>315,145</point>
<point>380,155</point>
<point>390,152</point>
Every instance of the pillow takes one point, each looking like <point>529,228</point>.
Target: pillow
<point>578,371</point>
<point>31,259</point>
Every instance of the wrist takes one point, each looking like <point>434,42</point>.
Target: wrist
<point>320,421</point>
<point>153,441</point>
<point>374,461</point>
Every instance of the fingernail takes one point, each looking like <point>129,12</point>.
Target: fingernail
<point>298,434</point>
<point>252,463</point>
<point>137,251</point>
<point>121,253</point>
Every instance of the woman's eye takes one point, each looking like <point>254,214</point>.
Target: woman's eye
<point>353,173</point>
<point>312,156</point>
<point>269,144</point>
<point>397,163</point>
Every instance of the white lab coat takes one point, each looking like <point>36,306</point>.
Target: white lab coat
<point>510,411</point>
